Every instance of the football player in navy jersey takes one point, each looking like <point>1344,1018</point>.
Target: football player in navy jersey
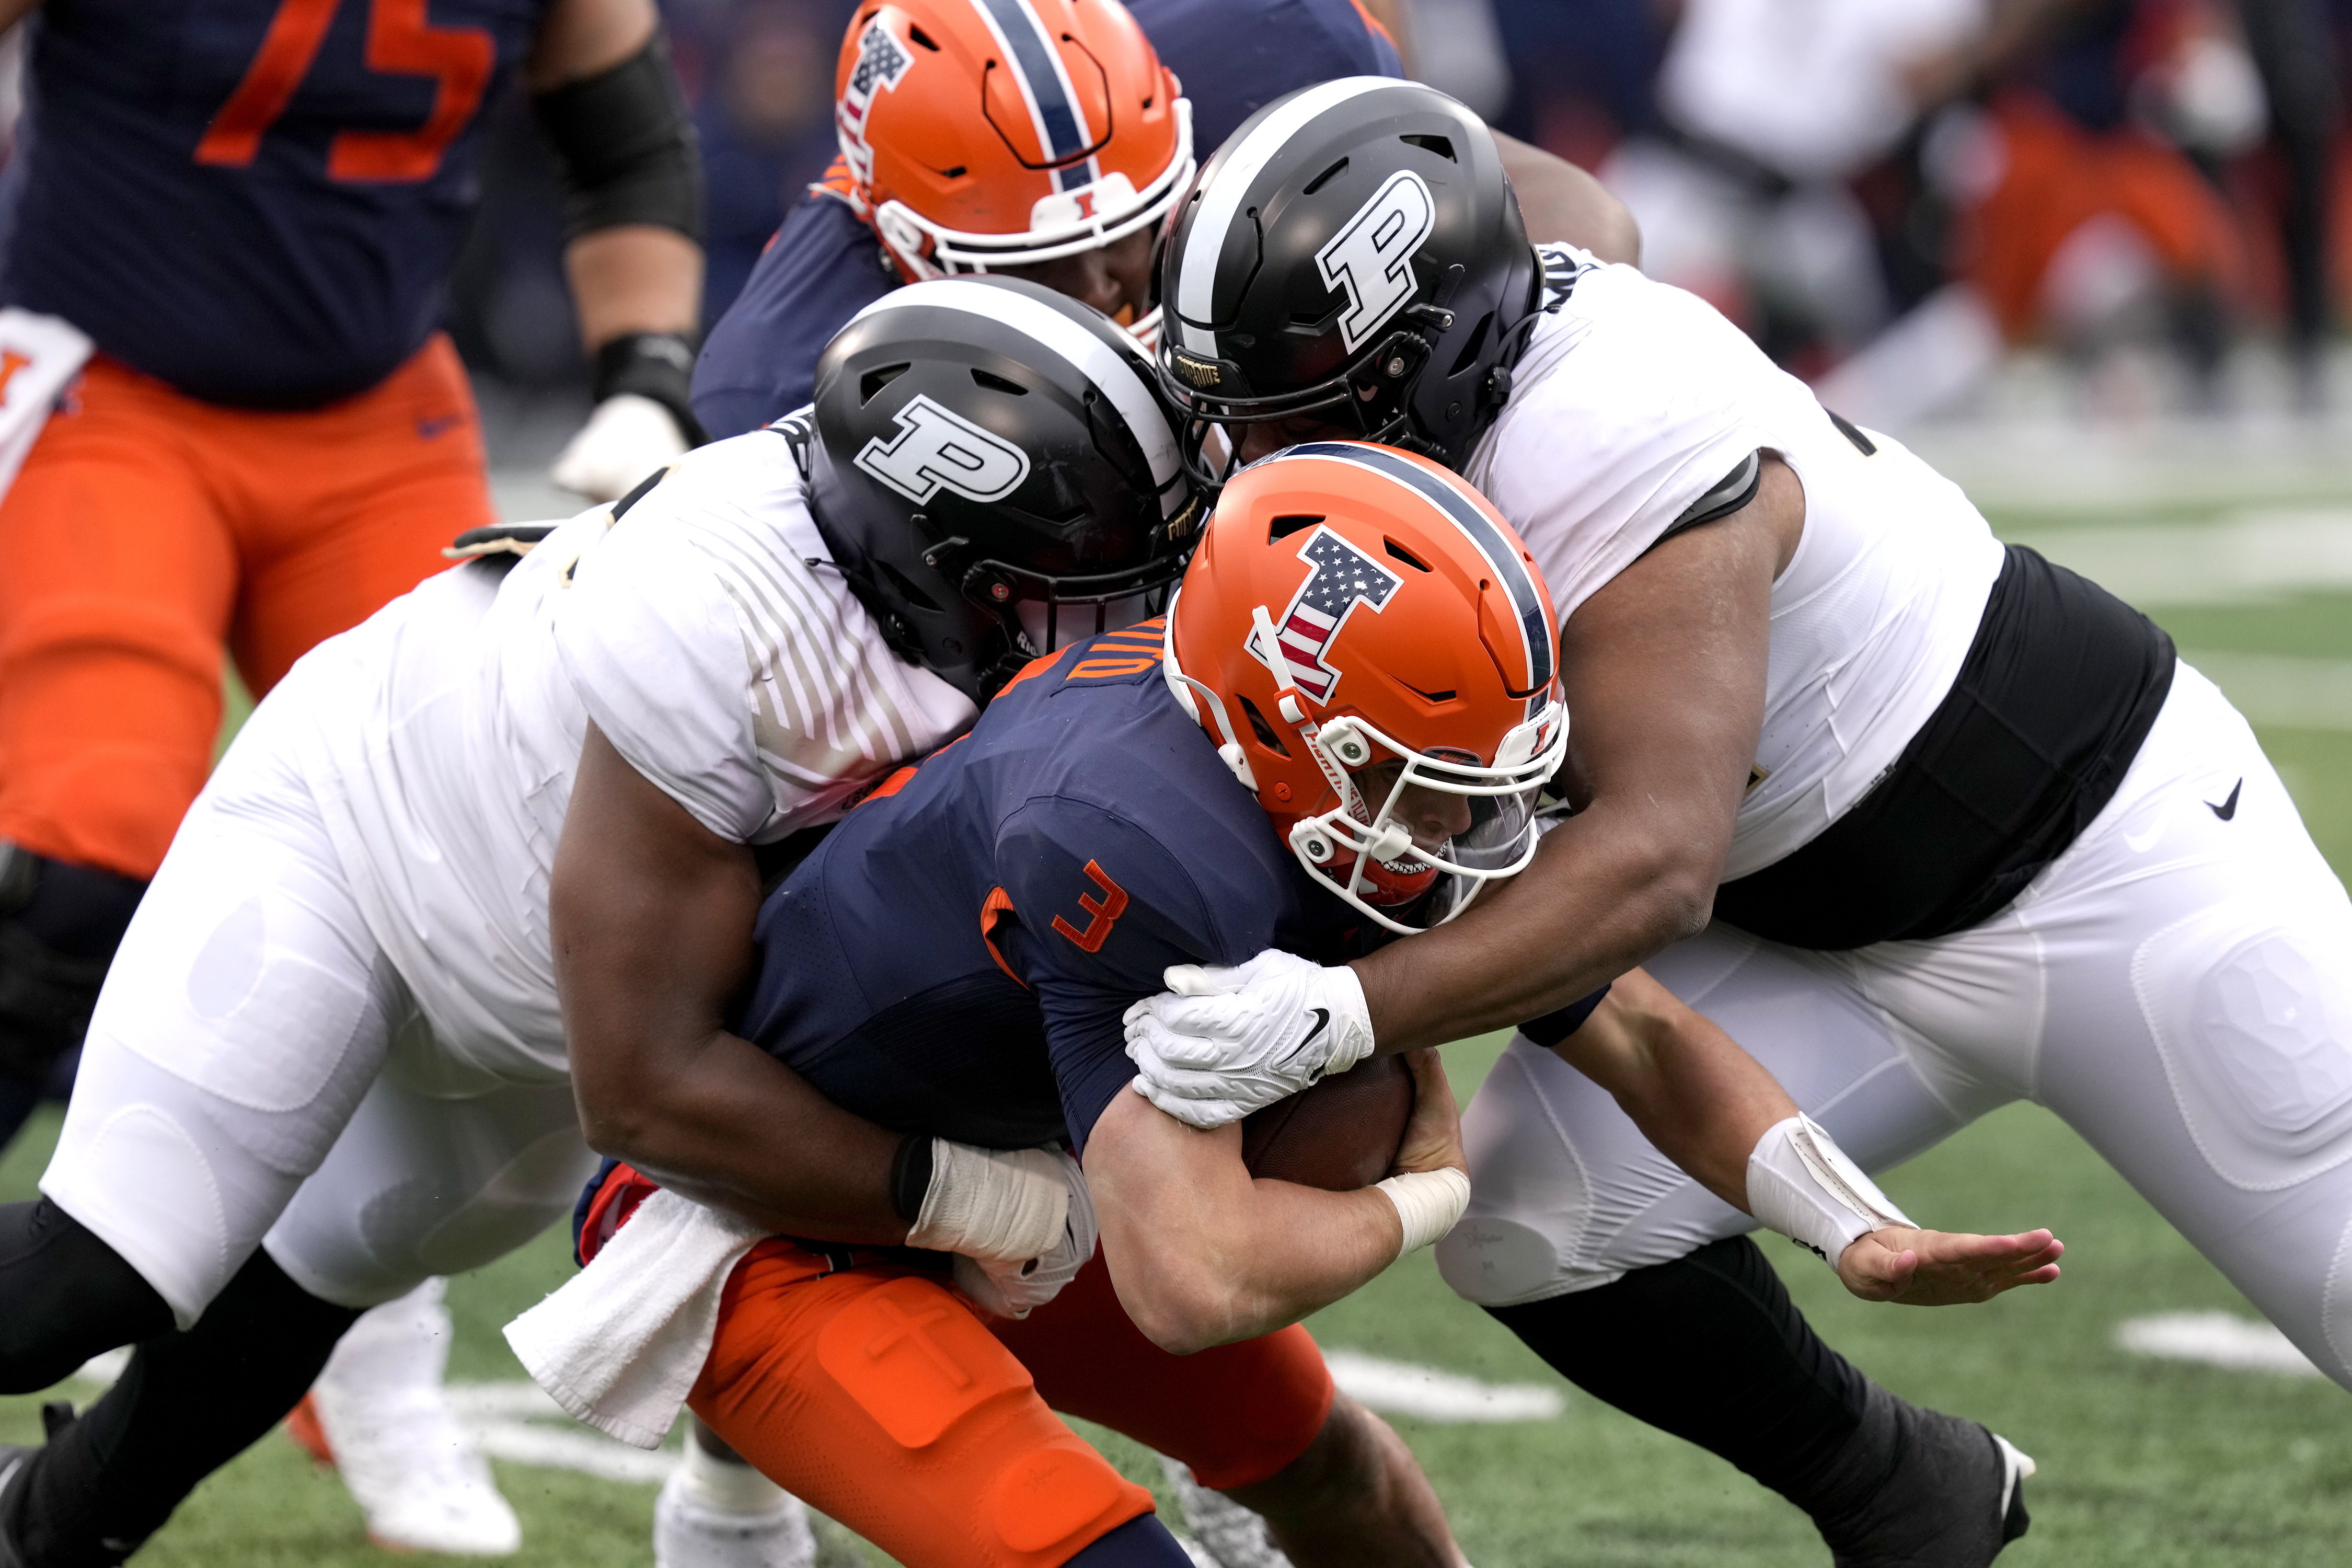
<point>956,961</point>
<point>228,226</point>
<point>924,185</point>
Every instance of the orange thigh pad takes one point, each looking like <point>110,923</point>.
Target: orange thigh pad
<point>877,1394</point>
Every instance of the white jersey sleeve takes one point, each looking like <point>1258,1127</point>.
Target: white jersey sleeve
<point>1632,401</point>
<point>709,637</point>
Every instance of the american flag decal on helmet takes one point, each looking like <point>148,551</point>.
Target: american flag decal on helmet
<point>1342,578</point>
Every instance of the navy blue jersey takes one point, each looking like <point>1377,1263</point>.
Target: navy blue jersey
<point>758,363</point>
<point>956,957</point>
<point>256,201</point>
<point>825,265</point>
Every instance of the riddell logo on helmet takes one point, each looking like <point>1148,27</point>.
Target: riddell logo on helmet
<point>881,62</point>
<point>1343,577</point>
<point>936,448</point>
<point>1371,258</point>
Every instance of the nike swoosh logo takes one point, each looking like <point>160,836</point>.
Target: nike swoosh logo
<point>1322,1019</point>
<point>429,429</point>
<point>2228,808</point>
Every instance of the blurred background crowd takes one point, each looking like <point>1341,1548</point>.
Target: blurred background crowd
<point>1891,196</point>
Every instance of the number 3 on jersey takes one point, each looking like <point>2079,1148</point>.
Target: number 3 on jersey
<point>400,42</point>
<point>1101,912</point>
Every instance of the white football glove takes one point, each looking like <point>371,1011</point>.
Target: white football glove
<point>1220,1043</point>
<point>1015,1289</point>
<point>628,436</point>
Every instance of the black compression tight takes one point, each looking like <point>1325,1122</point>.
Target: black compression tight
<point>1710,1348</point>
<point>65,1297</point>
<point>187,1405</point>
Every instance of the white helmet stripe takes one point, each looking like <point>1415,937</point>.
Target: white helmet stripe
<point>1096,360</point>
<point>1053,109</point>
<point>1221,201</point>
<point>1446,491</point>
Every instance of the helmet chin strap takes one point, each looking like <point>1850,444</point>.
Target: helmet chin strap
<point>1267,651</point>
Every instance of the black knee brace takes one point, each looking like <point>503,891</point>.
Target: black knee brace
<point>1710,1348</point>
<point>188,1403</point>
<point>65,1297</point>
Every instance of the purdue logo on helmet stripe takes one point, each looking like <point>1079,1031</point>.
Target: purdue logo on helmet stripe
<point>1198,371</point>
<point>938,448</point>
<point>1371,258</point>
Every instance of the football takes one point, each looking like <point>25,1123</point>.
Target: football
<point>1341,1134</point>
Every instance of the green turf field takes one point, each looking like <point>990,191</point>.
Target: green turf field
<point>2145,1464</point>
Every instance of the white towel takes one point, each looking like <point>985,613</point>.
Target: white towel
<point>620,1345</point>
<point>38,354</point>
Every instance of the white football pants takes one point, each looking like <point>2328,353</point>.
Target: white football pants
<point>255,1073</point>
<point>2176,987</point>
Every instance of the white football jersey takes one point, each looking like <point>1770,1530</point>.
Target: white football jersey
<point>707,636</point>
<point>1634,399</point>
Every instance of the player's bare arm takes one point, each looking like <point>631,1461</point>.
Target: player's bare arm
<point>652,915</point>
<point>1664,673</point>
<point>1708,1105</point>
<point>1558,201</point>
<point>1203,1254</point>
<point>608,101</point>
<point>632,277</point>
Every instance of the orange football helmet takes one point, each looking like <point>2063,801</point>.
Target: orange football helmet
<point>1358,624</point>
<point>990,133</point>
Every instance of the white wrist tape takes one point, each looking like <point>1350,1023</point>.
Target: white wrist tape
<point>1430,1202</point>
<point>1800,1183</point>
<point>1003,1206</point>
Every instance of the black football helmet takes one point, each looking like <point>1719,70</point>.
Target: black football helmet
<point>1355,252</point>
<point>983,446</point>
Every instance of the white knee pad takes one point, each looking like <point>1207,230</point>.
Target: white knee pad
<point>2252,1013</point>
<point>244,1017</point>
<point>420,1187</point>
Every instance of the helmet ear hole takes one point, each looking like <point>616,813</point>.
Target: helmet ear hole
<point>1264,731</point>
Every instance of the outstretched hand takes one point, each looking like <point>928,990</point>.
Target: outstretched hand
<point>1938,1268</point>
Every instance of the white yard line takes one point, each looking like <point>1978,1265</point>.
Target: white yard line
<point>1401,1388</point>
<point>2217,1339</point>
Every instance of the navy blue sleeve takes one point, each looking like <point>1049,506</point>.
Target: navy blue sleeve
<point>1235,57</point>
<point>1105,908</point>
<point>760,360</point>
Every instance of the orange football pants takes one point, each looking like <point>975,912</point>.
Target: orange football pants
<point>879,1396</point>
<point>149,532</point>
<point>2058,177</point>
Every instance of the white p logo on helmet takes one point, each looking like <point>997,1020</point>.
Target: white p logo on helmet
<point>938,448</point>
<point>1372,258</point>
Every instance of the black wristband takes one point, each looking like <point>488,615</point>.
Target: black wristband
<point>659,365</point>
<point>910,1175</point>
